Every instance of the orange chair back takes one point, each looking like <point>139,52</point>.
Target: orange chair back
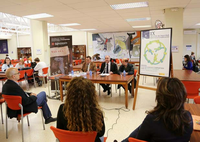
<point>71,136</point>
<point>192,88</point>
<point>22,73</point>
<point>13,101</point>
<point>45,70</point>
<point>79,61</point>
<point>29,72</point>
<point>117,61</point>
<point>197,100</point>
<point>28,65</point>
<point>135,140</point>
<point>76,62</point>
<point>135,72</point>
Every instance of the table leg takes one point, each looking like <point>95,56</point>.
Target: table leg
<point>61,91</point>
<point>136,91</point>
<point>132,84</point>
<point>126,95</point>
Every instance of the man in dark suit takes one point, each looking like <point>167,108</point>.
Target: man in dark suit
<point>108,67</point>
<point>129,71</point>
<point>30,101</point>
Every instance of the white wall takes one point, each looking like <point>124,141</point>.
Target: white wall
<point>12,48</point>
<point>193,40</point>
<point>24,41</point>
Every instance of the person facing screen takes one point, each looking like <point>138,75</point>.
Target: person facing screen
<point>81,111</point>
<point>7,64</point>
<point>188,63</point>
<point>168,121</point>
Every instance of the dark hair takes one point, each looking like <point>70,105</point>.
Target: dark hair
<point>192,53</point>
<point>188,58</point>
<point>89,57</point>
<point>126,61</point>
<point>37,59</point>
<point>81,108</point>
<point>5,60</point>
<point>170,97</point>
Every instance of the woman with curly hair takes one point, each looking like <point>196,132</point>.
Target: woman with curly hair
<point>168,121</point>
<point>81,111</point>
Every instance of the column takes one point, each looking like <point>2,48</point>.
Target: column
<point>174,19</point>
<point>39,36</point>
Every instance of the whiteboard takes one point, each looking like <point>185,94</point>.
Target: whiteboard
<point>155,52</point>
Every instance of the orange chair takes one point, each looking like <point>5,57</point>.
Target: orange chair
<point>28,65</point>
<point>21,76</point>
<point>30,75</point>
<point>15,103</point>
<point>44,75</point>
<point>192,88</point>
<point>2,100</point>
<point>135,73</point>
<point>135,140</point>
<point>117,61</point>
<point>79,61</point>
<point>71,136</point>
<point>197,100</point>
<point>76,62</point>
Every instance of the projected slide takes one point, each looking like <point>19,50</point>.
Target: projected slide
<point>155,52</point>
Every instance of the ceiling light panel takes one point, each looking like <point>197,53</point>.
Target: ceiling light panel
<point>38,16</point>
<point>129,5</point>
<point>70,24</point>
<point>138,19</point>
<point>145,26</point>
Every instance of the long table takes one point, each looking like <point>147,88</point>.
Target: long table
<point>2,74</point>
<point>186,75</point>
<point>111,79</point>
<point>194,109</point>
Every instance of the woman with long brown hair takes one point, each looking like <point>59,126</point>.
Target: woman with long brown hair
<point>168,121</point>
<point>81,111</point>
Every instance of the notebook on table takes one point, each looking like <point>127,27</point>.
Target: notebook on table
<point>196,122</point>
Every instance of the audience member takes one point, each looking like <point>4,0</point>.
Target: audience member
<point>7,64</point>
<point>30,101</point>
<point>28,61</point>
<point>128,68</point>
<point>108,67</point>
<point>192,56</point>
<point>39,66</point>
<point>188,63</point>
<point>20,65</point>
<point>88,65</point>
<point>168,121</point>
<point>8,56</point>
<point>81,111</point>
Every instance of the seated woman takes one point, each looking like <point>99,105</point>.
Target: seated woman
<point>7,64</point>
<point>81,111</point>
<point>188,63</point>
<point>168,121</point>
<point>20,65</point>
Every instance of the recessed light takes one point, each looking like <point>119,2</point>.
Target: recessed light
<point>138,19</point>
<point>38,16</point>
<point>130,5</point>
<point>198,24</point>
<point>70,24</point>
<point>87,29</point>
<point>145,26</point>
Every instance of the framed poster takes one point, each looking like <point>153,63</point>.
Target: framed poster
<point>155,52</point>
<point>3,47</point>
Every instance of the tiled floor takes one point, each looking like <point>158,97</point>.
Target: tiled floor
<point>127,122</point>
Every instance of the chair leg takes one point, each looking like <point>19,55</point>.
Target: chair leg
<point>120,91</point>
<point>22,124</point>
<point>42,119</point>
<point>28,121</point>
<point>111,90</point>
<point>99,90</point>
<point>115,88</point>
<point>6,124</point>
<point>44,82</point>
<point>1,114</point>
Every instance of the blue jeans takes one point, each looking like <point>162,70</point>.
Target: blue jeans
<point>133,134</point>
<point>42,101</point>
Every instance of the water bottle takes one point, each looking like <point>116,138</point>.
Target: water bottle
<point>72,72</point>
<point>124,73</point>
<point>90,73</point>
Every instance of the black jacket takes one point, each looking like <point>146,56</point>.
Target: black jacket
<point>129,69</point>
<point>29,103</point>
<point>113,68</point>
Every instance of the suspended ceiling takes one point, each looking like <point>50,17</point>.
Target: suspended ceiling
<point>97,14</point>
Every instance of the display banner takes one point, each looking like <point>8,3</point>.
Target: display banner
<point>60,54</point>
<point>117,45</point>
<point>3,47</point>
<point>155,53</point>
